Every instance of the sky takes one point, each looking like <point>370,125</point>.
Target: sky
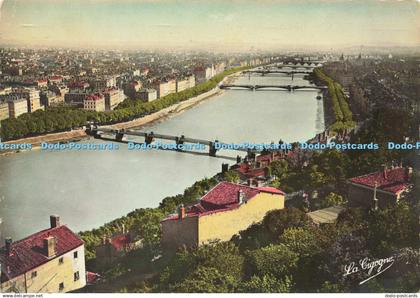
<point>198,24</point>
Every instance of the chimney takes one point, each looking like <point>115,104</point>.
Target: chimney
<point>408,173</point>
<point>54,221</point>
<point>8,243</point>
<point>181,212</point>
<point>49,246</point>
<point>384,170</point>
<point>241,197</point>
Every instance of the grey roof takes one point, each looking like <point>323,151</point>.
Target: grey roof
<point>327,215</point>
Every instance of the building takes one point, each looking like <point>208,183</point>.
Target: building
<point>113,97</point>
<point>164,88</point>
<point>17,106</point>
<point>50,261</point>
<point>94,102</point>
<point>115,247</point>
<point>102,83</point>
<point>42,83</point>
<point>32,97</point>
<point>221,213</point>
<point>4,110</point>
<point>379,189</point>
<point>50,98</point>
<point>132,88</point>
<point>203,74</point>
<point>148,94</point>
<point>75,97</point>
<point>185,83</point>
<point>55,80</point>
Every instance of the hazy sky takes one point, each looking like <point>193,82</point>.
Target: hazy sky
<point>228,24</point>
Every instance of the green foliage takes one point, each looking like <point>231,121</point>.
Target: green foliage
<point>332,199</point>
<point>231,176</point>
<point>206,280</point>
<point>300,240</point>
<point>342,112</point>
<point>276,260</point>
<point>214,265</point>
<point>266,284</point>
<point>393,227</point>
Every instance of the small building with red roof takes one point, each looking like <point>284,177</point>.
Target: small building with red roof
<point>49,261</point>
<point>380,188</point>
<point>224,211</point>
<point>116,246</point>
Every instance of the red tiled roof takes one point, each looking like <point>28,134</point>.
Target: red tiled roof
<point>28,253</point>
<point>94,97</point>
<point>395,180</point>
<point>223,197</point>
<point>55,78</point>
<point>120,242</point>
<point>271,190</point>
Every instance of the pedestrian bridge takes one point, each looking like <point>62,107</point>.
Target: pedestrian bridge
<point>149,137</point>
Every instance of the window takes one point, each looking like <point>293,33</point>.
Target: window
<point>33,274</point>
<point>61,286</point>
<point>76,275</point>
<point>75,255</point>
<point>60,261</point>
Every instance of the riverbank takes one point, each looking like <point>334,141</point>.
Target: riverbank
<point>80,134</point>
<point>67,136</point>
<point>176,108</point>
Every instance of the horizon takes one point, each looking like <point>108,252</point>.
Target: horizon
<point>229,26</point>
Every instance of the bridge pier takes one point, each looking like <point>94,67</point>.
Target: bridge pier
<point>119,134</point>
<point>179,141</point>
<point>225,167</point>
<point>238,159</point>
<point>148,138</point>
<point>212,149</point>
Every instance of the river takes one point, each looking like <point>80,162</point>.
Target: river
<point>89,188</point>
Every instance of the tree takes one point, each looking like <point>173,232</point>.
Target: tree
<point>231,176</point>
<point>266,284</point>
<point>332,199</point>
<point>302,241</point>
<point>276,260</point>
<point>206,280</point>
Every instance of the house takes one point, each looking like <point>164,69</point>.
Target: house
<point>224,211</point>
<point>379,189</point>
<point>49,261</point>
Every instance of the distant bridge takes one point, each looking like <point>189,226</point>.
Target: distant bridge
<point>150,137</point>
<point>312,64</point>
<point>267,71</point>
<point>280,87</point>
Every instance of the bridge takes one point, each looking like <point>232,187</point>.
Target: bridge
<point>267,71</point>
<point>296,64</point>
<point>280,87</point>
<point>150,137</point>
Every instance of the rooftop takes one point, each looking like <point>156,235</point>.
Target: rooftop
<point>224,197</point>
<point>392,180</point>
<point>29,252</point>
<point>327,215</point>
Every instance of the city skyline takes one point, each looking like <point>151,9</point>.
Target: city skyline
<point>219,25</point>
